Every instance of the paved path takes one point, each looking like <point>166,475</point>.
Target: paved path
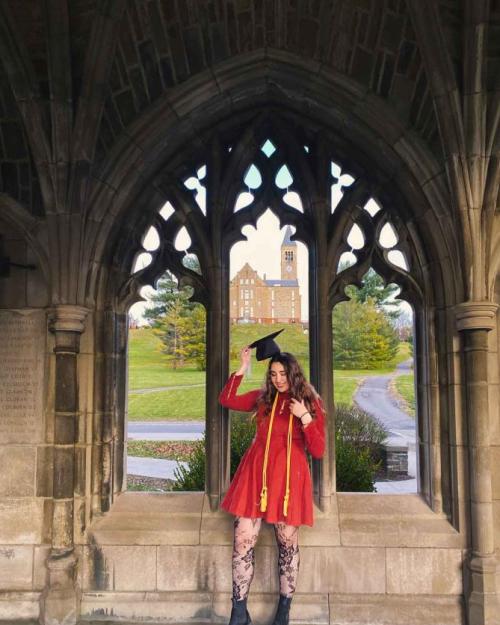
<point>166,430</point>
<point>152,467</point>
<point>397,487</point>
<point>374,396</point>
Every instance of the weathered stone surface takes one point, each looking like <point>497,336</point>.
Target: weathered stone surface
<point>15,606</point>
<point>182,606</point>
<point>22,375</point>
<point>187,568</point>
<point>495,462</point>
<point>208,568</point>
<point>40,555</point>
<point>420,571</point>
<point>44,471</point>
<point>393,520</point>
<point>16,567</point>
<point>130,568</point>
<point>17,468</point>
<point>343,569</point>
<point>170,519</point>
<point>395,610</point>
<point>21,520</point>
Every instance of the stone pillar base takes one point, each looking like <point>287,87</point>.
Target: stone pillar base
<point>60,600</point>
<point>484,603</point>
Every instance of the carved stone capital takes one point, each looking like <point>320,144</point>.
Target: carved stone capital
<point>68,318</point>
<point>476,316</point>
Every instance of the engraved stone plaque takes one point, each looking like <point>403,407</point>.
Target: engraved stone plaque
<point>22,357</point>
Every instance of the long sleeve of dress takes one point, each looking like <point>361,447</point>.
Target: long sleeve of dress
<point>246,402</point>
<point>314,433</point>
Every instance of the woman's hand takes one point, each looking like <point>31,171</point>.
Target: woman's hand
<point>301,411</point>
<point>245,356</point>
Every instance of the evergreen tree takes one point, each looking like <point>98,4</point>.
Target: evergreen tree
<point>348,335</point>
<point>179,322</point>
<point>192,336</point>
<point>167,294</point>
<point>363,337</point>
<point>169,328</point>
<point>373,288</point>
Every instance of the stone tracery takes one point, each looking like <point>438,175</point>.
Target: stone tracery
<point>268,180</point>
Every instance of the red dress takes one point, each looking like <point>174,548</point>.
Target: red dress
<point>243,495</point>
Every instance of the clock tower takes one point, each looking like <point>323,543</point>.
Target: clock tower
<point>288,257</point>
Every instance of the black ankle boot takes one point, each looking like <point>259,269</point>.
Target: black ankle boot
<point>239,613</point>
<point>281,617</point>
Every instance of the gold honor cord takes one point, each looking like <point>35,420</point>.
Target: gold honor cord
<point>263,494</point>
<point>288,462</point>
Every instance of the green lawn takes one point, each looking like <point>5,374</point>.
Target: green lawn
<point>149,369</point>
<point>187,404</point>
<point>406,388</point>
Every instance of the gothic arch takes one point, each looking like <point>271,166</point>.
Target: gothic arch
<point>228,149</point>
<point>179,125</point>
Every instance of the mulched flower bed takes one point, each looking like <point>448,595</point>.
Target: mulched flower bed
<point>154,484</point>
<point>167,450</point>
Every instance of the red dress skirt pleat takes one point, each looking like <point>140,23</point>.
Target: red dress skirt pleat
<point>243,495</point>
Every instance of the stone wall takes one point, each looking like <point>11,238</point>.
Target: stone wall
<point>25,451</point>
<point>493,366</point>
<point>373,558</point>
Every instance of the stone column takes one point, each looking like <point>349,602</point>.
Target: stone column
<point>321,366</point>
<point>475,320</point>
<point>60,600</point>
<point>217,424</point>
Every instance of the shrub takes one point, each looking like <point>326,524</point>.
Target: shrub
<point>360,429</point>
<point>192,476</point>
<point>242,434</point>
<point>358,450</point>
<point>355,469</point>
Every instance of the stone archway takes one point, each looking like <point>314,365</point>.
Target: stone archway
<point>139,208</point>
<point>212,235</point>
<point>96,106</point>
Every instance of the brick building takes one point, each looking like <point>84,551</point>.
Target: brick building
<point>260,300</point>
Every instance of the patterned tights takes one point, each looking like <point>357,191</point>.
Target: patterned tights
<point>246,532</point>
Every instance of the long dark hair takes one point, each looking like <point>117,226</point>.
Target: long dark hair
<point>300,388</point>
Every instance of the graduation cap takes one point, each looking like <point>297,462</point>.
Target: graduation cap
<point>266,346</point>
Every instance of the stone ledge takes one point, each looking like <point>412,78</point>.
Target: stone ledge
<point>355,519</point>
<point>392,610</point>
<point>21,608</point>
<point>198,607</point>
<point>370,519</point>
<point>307,609</point>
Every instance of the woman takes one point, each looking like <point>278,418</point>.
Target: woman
<point>273,480</point>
